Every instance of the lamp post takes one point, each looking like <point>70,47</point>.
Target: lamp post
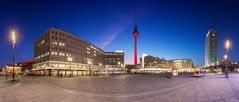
<point>227,46</point>
<point>70,60</point>
<point>13,55</point>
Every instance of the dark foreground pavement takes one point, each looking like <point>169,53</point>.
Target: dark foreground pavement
<point>134,88</point>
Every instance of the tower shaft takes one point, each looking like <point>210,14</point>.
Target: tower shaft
<point>135,50</point>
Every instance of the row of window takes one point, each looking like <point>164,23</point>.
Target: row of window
<point>42,55</point>
<point>112,58</point>
<point>52,53</point>
<point>114,54</point>
<point>77,39</point>
<point>68,38</point>
<point>56,43</point>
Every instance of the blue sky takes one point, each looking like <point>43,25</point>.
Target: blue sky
<point>167,28</point>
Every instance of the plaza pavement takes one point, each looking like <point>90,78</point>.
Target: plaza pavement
<point>127,88</point>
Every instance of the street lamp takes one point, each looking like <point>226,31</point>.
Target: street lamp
<point>227,46</point>
<point>13,33</point>
<point>70,60</point>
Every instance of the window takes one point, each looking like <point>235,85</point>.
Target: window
<point>68,54</point>
<point>61,44</point>
<point>54,53</point>
<point>47,53</point>
<point>54,43</point>
<point>43,41</point>
<point>61,54</point>
<point>88,52</point>
<point>61,65</point>
<point>42,55</point>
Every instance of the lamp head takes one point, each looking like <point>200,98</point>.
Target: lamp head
<point>13,36</point>
<point>228,44</point>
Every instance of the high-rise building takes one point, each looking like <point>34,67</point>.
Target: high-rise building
<point>211,47</point>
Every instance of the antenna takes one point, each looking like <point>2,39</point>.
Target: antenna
<point>135,21</point>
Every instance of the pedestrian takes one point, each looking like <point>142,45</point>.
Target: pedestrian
<point>61,75</point>
<point>6,76</point>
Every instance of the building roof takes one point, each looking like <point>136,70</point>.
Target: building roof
<point>27,61</point>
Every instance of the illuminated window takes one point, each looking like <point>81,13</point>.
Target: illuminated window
<point>42,55</point>
<point>61,44</point>
<point>61,54</point>
<point>61,65</point>
<point>54,53</point>
<point>54,43</point>
<point>47,53</point>
<point>68,54</point>
<point>88,52</point>
<point>43,41</point>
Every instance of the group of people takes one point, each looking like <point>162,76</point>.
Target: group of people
<point>61,75</point>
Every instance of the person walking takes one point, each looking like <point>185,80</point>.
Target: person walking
<point>6,76</point>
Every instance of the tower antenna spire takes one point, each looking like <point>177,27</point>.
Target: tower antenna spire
<point>135,21</point>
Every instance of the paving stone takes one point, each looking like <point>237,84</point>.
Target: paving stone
<point>128,88</point>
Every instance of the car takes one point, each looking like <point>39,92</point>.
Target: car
<point>199,73</point>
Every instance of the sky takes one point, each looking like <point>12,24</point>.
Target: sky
<point>169,29</point>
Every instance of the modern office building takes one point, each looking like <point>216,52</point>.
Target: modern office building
<point>154,62</point>
<point>59,52</point>
<point>211,48</point>
<point>151,64</point>
<point>114,59</point>
<point>181,65</point>
<point>114,62</point>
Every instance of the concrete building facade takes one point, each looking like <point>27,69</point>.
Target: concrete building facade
<point>59,52</point>
<point>154,62</point>
<point>114,59</point>
<point>182,65</point>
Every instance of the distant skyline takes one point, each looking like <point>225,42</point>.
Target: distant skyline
<point>167,28</point>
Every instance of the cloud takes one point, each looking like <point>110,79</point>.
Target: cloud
<point>112,31</point>
<point>111,35</point>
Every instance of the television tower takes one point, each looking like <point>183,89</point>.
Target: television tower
<point>135,34</point>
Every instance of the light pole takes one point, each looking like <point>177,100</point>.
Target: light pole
<point>13,55</point>
<point>70,60</point>
<point>227,46</point>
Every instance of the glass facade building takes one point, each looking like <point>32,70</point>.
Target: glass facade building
<point>211,48</point>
